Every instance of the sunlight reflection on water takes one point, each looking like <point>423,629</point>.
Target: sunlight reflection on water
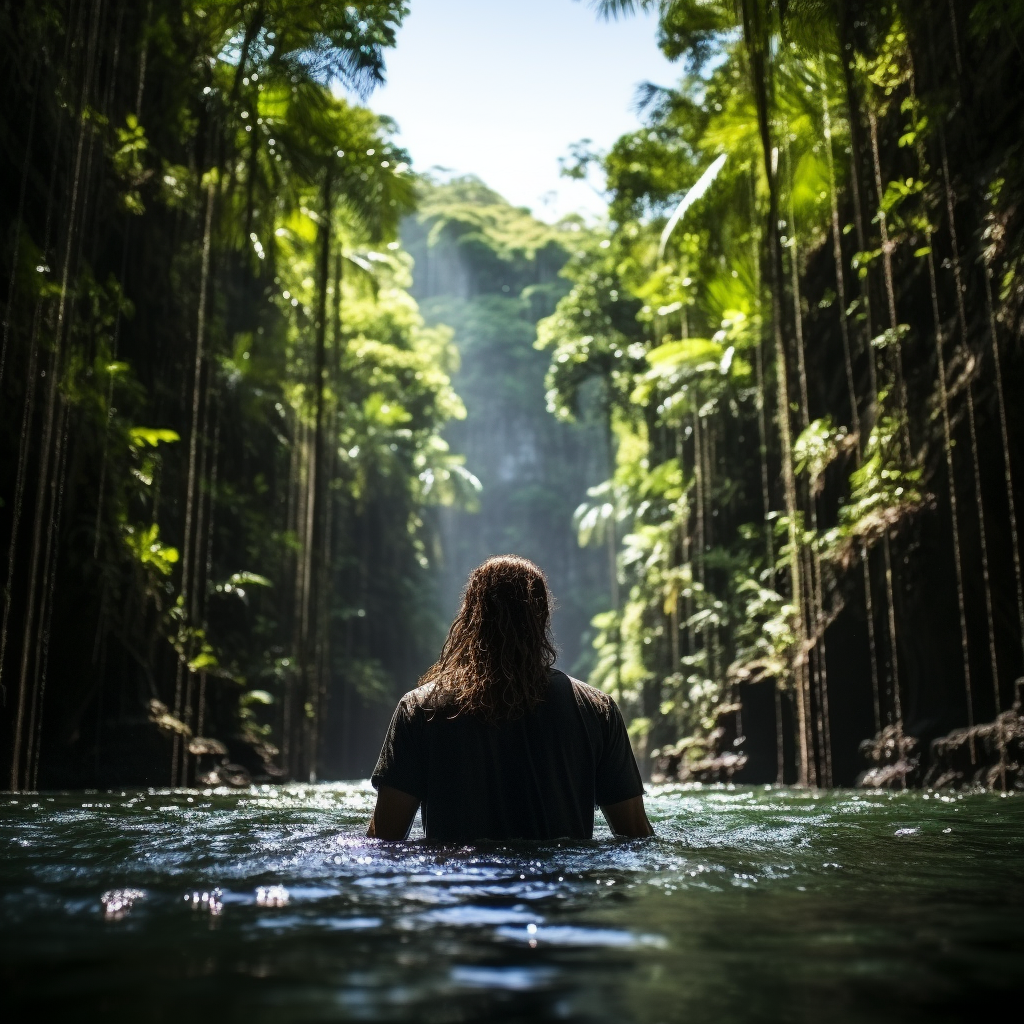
<point>269,904</point>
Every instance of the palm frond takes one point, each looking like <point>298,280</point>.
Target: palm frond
<point>612,9</point>
<point>701,186</point>
<point>648,93</point>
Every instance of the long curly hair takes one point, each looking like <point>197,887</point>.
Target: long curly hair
<point>499,650</point>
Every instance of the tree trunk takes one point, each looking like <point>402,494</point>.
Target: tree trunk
<point>756,35</point>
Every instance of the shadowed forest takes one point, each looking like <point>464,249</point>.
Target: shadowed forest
<point>268,391</point>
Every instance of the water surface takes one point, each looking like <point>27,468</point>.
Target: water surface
<point>269,905</point>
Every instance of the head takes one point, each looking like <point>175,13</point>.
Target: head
<point>499,649</point>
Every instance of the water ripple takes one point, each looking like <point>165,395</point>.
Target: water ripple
<point>270,904</point>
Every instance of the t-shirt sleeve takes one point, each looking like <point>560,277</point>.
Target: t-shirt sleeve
<point>618,777</point>
<point>401,764</point>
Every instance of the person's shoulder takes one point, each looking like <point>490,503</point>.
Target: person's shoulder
<point>585,694</point>
<point>416,699</point>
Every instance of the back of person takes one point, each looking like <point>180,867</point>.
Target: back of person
<point>537,777</point>
<point>497,744</point>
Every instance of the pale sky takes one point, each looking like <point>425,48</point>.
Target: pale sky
<point>501,88</point>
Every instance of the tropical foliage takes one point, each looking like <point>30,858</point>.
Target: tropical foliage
<point>491,271</point>
<point>776,369</point>
<point>780,375</point>
<point>221,406</point>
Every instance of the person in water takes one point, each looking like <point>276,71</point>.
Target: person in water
<point>498,744</point>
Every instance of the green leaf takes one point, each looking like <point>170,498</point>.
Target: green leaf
<point>256,697</point>
<point>251,579</point>
<point>141,436</point>
<point>687,352</point>
<point>145,544</point>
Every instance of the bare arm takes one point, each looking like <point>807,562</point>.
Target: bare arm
<point>392,817</point>
<point>628,818</point>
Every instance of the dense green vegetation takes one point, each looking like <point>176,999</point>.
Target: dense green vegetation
<point>221,406</point>
<point>491,271</point>
<point>239,489</point>
<point>805,316</point>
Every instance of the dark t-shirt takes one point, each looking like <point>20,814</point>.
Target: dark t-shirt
<point>538,777</point>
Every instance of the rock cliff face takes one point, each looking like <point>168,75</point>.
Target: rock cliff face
<point>716,758</point>
<point>989,755</point>
<point>490,271</point>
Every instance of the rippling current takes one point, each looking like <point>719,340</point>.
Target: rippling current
<point>269,905</point>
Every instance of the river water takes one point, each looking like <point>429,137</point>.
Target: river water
<point>268,905</point>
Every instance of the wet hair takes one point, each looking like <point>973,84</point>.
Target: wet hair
<point>499,649</point>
